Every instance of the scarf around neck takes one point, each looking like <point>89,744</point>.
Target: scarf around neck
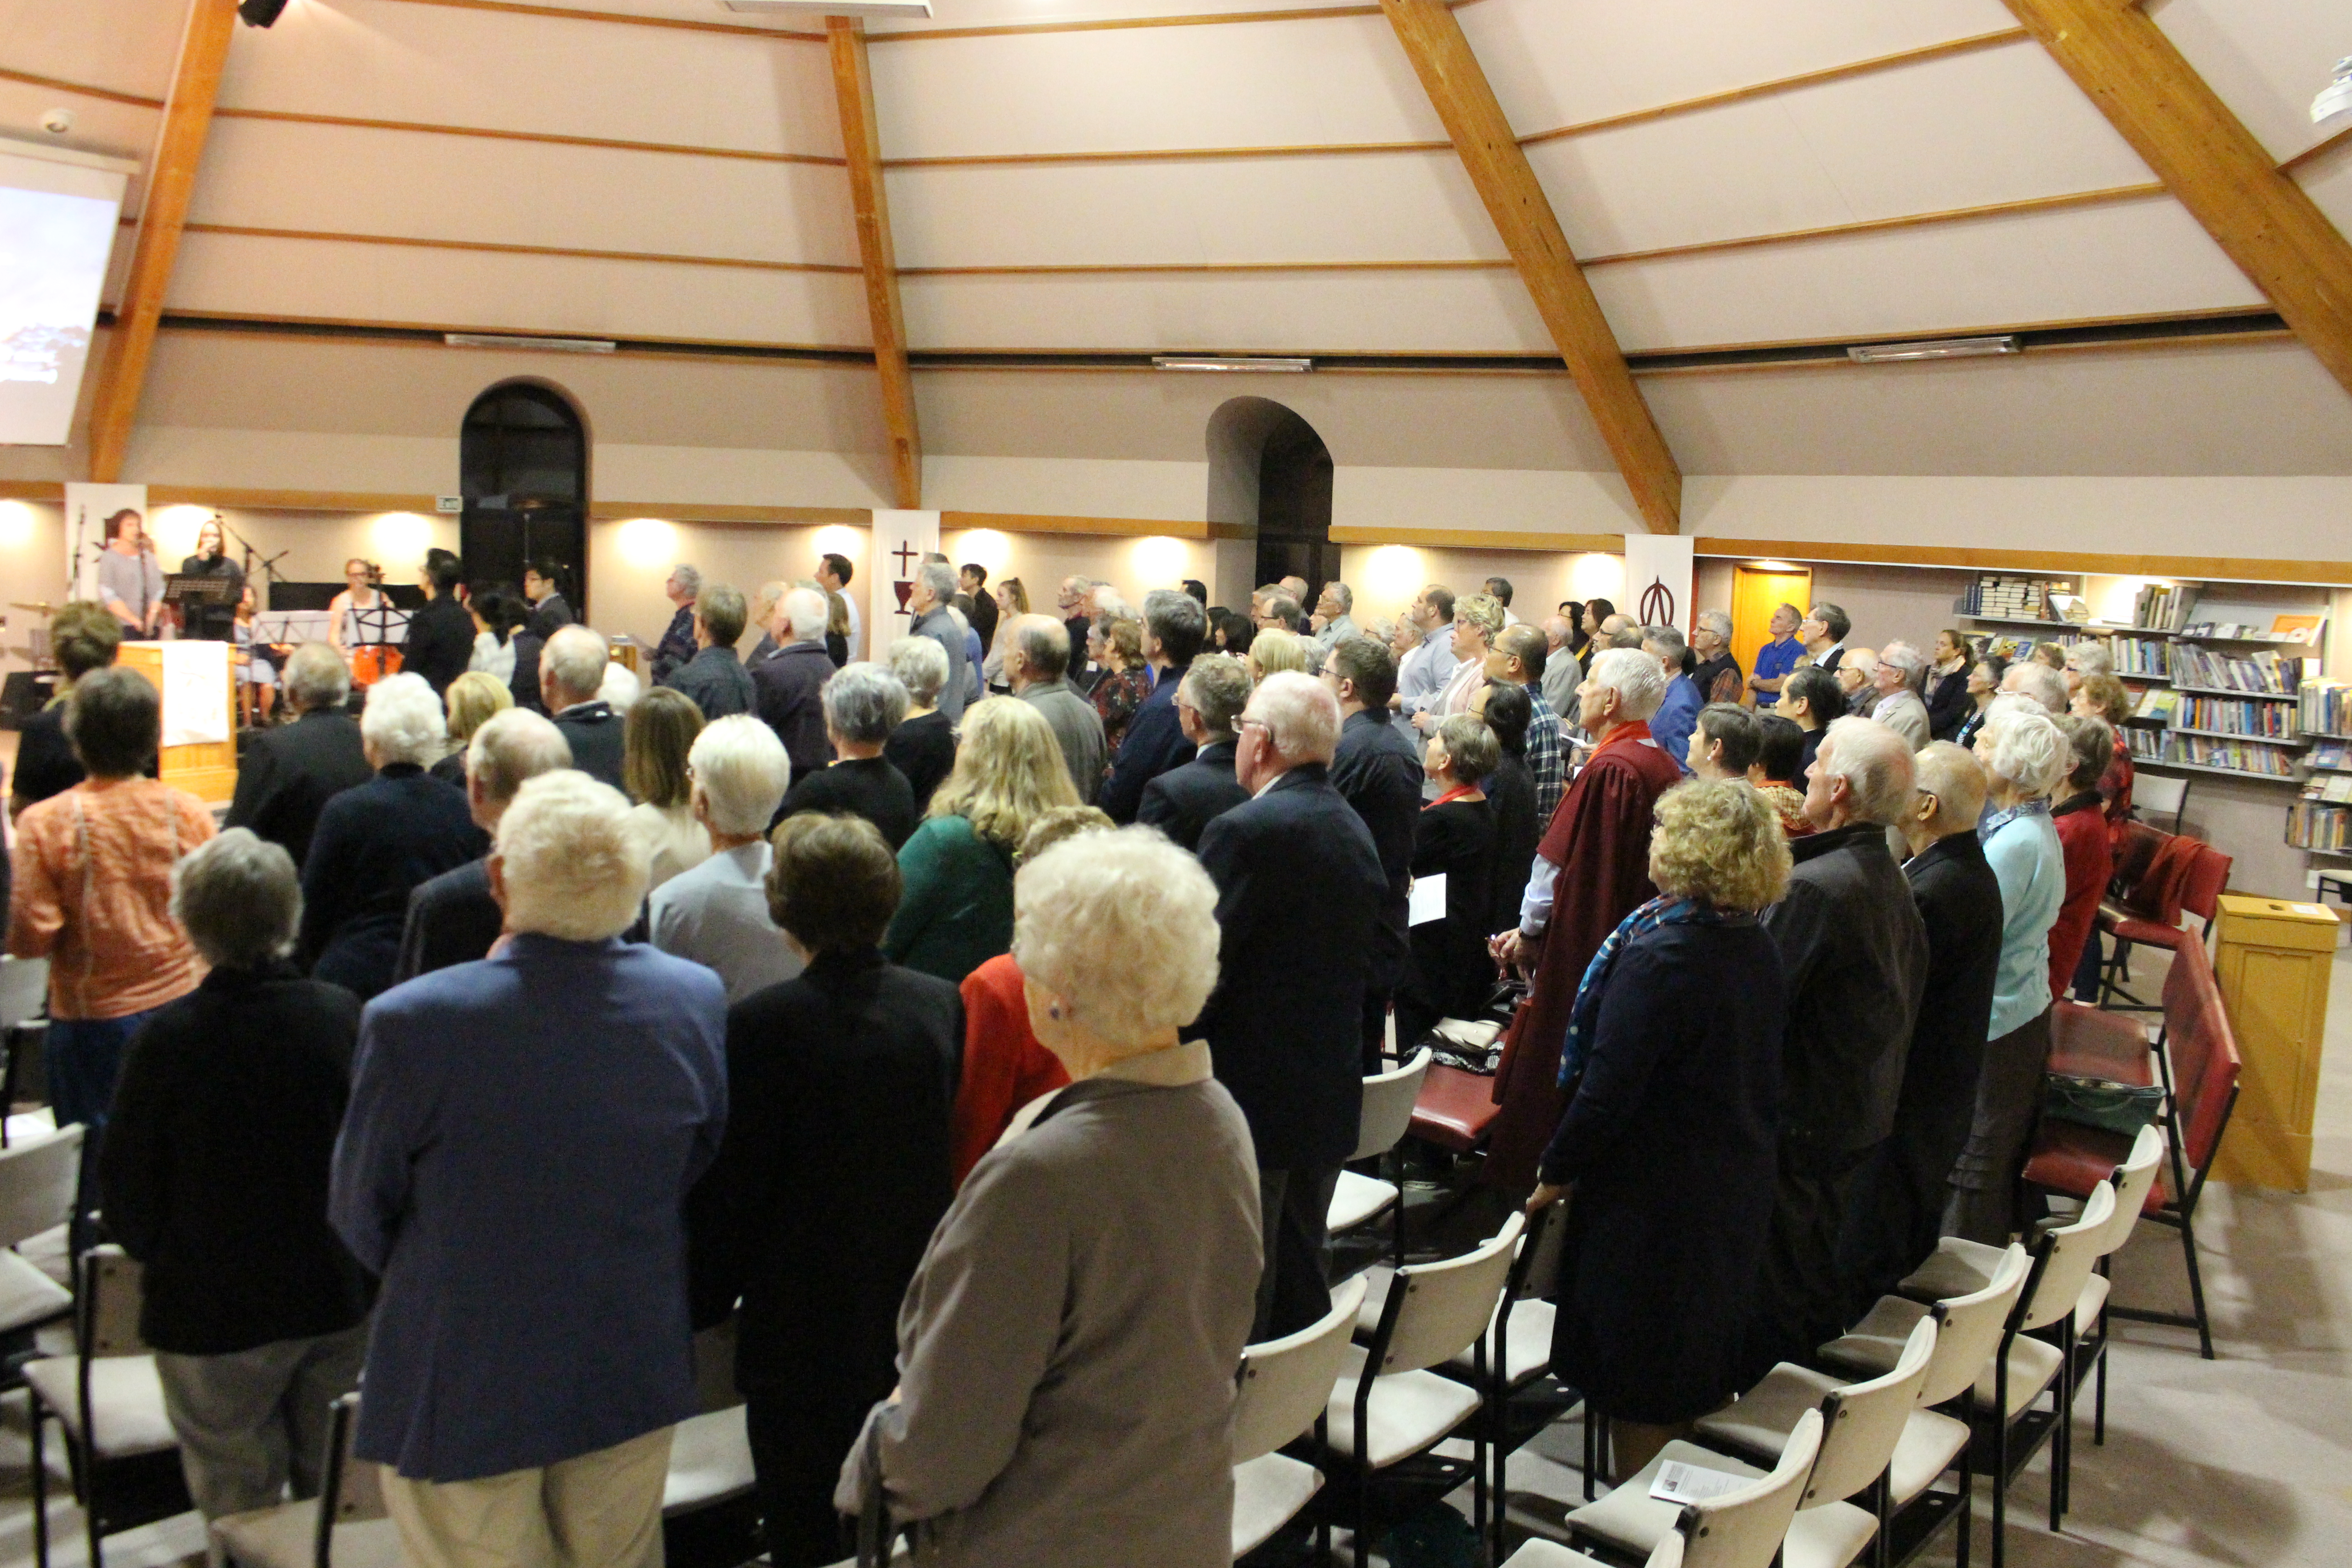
<point>1659,911</point>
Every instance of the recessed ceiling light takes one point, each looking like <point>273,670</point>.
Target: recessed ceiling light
<point>2335,100</point>
<point>1932,348</point>
<point>837,7</point>
<point>516,341</point>
<point>1215,362</point>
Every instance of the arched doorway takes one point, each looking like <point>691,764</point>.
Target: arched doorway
<point>522,467</point>
<point>1268,467</point>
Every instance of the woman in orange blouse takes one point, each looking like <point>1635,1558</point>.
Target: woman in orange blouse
<point>93,890</point>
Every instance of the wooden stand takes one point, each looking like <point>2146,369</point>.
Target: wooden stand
<point>2272,960</point>
<point>207,769</point>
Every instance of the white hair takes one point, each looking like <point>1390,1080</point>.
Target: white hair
<point>514,746</point>
<point>1123,928</point>
<point>922,666</point>
<point>316,677</point>
<point>575,658</point>
<point>1905,657</point>
<point>1860,660</point>
<point>741,770</point>
<point>2089,658</point>
<point>238,899</point>
<point>1634,675</point>
<point>938,578</point>
<point>1105,599</point>
<point>688,580</point>
<point>574,867</point>
<point>1876,765</point>
<point>2031,678</point>
<point>1301,716</point>
<point>865,702</point>
<point>806,610</point>
<point>2024,748</point>
<point>620,688</point>
<point>403,721</point>
<point>1714,621</point>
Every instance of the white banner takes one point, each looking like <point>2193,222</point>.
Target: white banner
<point>88,509</point>
<point>901,539</point>
<point>1659,576</point>
<point>195,693</point>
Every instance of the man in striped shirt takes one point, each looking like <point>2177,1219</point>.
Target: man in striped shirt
<point>1517,659</point>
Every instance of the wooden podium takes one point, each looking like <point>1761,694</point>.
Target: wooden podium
<point>2272,959</point>
<point>199,750</point>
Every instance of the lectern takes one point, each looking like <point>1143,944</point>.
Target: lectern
<point>199,750</point>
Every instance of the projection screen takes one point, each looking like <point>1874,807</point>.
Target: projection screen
<point>59,212</point>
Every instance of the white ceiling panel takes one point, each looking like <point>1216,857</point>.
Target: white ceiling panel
<point>440,65</point>
<point>1324,312</point>
<point>1405,208</point>
<point>1057,12</point>
<point>122,46</point>
<point>1561,62</point>
<point>261,173</point>
<point>340,281</point>
<point>2267,59</point>
<point>2329,184</point>
<point>1893,143</point>
<point>116,129</point>
<point>2132,259</point>
<point>1264,84</point>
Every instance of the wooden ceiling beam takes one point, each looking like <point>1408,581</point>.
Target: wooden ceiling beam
<point>853,85</point>
<point>1498,167</point>
<point>171,182</point>
<point>2211,164</point>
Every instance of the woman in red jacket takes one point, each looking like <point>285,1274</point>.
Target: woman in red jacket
<point>2080,818</point>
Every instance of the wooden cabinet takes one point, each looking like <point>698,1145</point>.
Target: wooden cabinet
<point>2274,960</point>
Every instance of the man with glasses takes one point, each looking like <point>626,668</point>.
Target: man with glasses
<point>1183,801</point>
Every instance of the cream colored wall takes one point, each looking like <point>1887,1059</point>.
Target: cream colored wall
<point>1386,578</point>
<point>1135,566</point>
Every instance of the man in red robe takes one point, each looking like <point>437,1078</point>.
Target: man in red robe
<point>1590,872</point>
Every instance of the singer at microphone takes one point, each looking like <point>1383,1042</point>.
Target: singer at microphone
<point>130,580</point>
<point>214,623</point>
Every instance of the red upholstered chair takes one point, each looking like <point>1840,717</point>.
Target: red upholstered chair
<point>2185,876</point>
<point>2085,1042</point>
<point>1454,1110</point>
<point>2072,1159</point>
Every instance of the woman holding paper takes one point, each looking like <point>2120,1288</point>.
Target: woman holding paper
<point>1452,839</point>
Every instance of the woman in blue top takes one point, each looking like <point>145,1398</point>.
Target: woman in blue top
<point>2024,758</point>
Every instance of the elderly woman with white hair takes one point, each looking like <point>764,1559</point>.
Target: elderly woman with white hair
<point>923,745</point>
<point>1066,1349</point>
<point>717,912</point>
<point>2024,757</point>
<point>864,706</point>
<point>521,1138</point>
<point>213,1175</point>
<point>375,844</point>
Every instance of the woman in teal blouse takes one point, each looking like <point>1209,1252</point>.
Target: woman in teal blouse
<point>956,911</point>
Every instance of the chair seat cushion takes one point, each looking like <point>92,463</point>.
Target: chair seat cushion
<point>285,1537</point>
<point>1528,1354</point>
<point>1356,1199</point>
<point>2033,1367</point>
<point>1454,1108</point>
<point>1958,1267</point>
<point>1830,1536</point>
<point>126,1401</point>
<point>709,1461</point>
<point>27,1296</point>
<point>1874,1345</point>
<point>1550,1554</point>
<point>1409,1411</point>
<point>1268,1492</point>
<point>51,1252</point>
<point>1931,1441</point>
<point>2070,1158</point>
<point>1758,1425</point>
<point>2091,1303</point>
<point>2087,1043</point>
<point>1634,1521</point>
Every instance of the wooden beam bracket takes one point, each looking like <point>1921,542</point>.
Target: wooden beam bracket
<point>853,85</point>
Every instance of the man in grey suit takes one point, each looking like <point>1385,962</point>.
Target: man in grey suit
<point>1035,665</point>
<point>926,602</point>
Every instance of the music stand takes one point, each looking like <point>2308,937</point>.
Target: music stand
<point>186,590</point>
<point>381,626</point>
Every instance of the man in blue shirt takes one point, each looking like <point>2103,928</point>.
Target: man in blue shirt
<point>1422,672</point>
<point>1671,725</point>
<point>1777,658</point>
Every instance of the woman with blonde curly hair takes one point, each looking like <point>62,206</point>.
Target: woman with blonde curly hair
<point>1103,1257</point>
<point>1274,650</point>
<point>1670,1142</point>
<point>471,699</point>
<point>1478,621</point>
<point>958,909</point>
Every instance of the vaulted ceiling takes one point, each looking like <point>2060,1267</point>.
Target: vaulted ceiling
<point>1096,177</point>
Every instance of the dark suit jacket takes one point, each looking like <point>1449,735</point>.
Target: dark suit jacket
<point>440,643</point>
<point>45,764</point>
<point>593,732</point>
<point>1948,703</point>
<point>676,644</point>
<point>216,1159</point>
<point>551,616</point>
<point>924,750</point>
<point>1299,889</point>
<point>788,689</point>
<point>1378,771</point>
<point>717,681</point>
<point>862,787</point>
<point>984,619</point>
<point>525,685</point>
<point>1155,742</point>
<point>841,1087</point>
<point>289,774</point>
<point>451,919</point>
<point>1183,801</point>
<point>373,846</point>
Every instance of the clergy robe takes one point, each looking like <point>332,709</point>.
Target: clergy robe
<point>1599,839</point>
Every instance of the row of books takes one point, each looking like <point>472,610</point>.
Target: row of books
<point>2317,824</point>
<point>2264,672</point>
<point>2162,609</point>
<point>2326,708</point>
<point>2235,716</point>
<point>2238,757</point>
<point>2331,757</point>
<point>2007,596</point>
<point>2141,657</point>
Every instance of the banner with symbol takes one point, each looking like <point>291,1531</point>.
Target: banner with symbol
<point>1658,580</point>
<point>901,539</point>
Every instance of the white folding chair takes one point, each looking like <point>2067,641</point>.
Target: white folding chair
<point>39,1181</point>
<point>2135,1181</point>
<point>355,1532</point>
<point>711,1453</point>
<point>1388,1099</point>
<point>1387,1407</point>
<point>1746,1527</point>
<point>24,992</point>
<point>1540,1553</point>
<point>1281,1391</point>
<point>109,1400</point>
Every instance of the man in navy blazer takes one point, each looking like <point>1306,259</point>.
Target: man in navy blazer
<point>1299,888</point>
<point>1174,627</point>
<point>516,1172</point>
<point>1184,800</point>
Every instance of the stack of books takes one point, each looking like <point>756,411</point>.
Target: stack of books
<point>2158,609</point>
<point>2326,708</point>
<point>2002,597</point>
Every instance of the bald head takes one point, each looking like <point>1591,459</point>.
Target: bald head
<point>1039,652</point>
<point>1950,795</point>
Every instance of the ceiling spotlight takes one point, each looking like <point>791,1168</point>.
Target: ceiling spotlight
<point>260,13</point>
<point>2335,100</point>
<point>517,340</point>
<point>837,7</point>
<point>1934,348</point>
<point>1206,362</point>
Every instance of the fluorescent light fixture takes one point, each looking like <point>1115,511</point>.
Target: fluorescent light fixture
<point>1218,362</point>
<point>837,7</point>
<point>2335,100</point>
<point>1769,566</point>
<point>1931,348</point>
<point>512,341</point>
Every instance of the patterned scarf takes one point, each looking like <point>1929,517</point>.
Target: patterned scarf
<point>1661,910</point>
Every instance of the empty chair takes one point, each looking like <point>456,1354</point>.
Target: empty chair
<point>1388,1099</point>
<point>1750,1525</point>
<point>1667,1553</point>
<point>1281,1391</point>
<point>38,1180</point>
<point>24,992</point>
<point>354,1534</point>
<point>2135,1181</point>
<point>1387,1407</point>
<point>110,1402</point>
